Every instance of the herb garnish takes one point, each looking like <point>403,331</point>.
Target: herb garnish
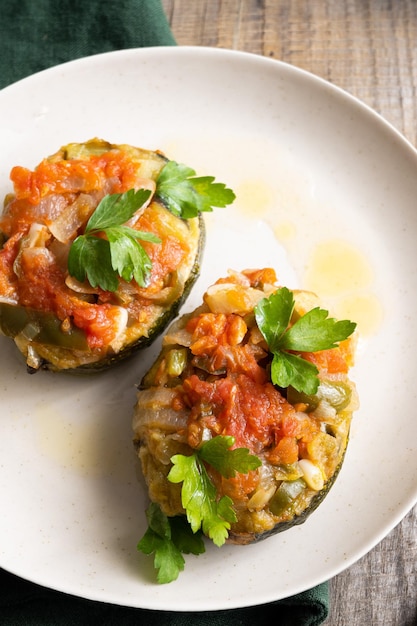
<point>101,260</point>
<point>204,511</point>
<point>169,538</point>
<point>198,494</point>
<point>186,194</point>
<point>312,332</point>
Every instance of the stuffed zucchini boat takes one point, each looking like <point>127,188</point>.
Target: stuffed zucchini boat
<point>100,245</point>
<point>250,399</point>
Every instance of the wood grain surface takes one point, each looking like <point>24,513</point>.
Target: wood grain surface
<point>369,48</point>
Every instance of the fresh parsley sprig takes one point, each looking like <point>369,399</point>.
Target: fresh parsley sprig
<point>312,332</point>
<point>198,494</point>
<point>102,260</point>
<point>186,194</point>
<point>168,538</point>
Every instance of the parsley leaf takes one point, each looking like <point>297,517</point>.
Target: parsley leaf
<point>289,369</point>
<point>198,497</point>
<point>90,257</point>
<point>167,538</point>
<point>102,260</point>
<point>119,253</point>
<point>312,332</point>
<point>128,257</point>
<point>216,452</point>
<point>315,331</point>
<point>273,316</point>
<point>198,494</point>
<point>116,209</point>
<point>187,195</point>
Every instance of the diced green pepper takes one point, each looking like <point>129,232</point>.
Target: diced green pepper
<point>336,393</point>
<point>285,495</point>
<point>40,327</point>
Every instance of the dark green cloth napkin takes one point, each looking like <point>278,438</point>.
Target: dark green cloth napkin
<point>24,604</point>
<point>34,35</point>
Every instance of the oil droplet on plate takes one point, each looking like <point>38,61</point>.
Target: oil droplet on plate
<point>254,197</point>
<point>83,447</point>
<point>343,276</point>
<point>365,309</point>
<point>285,231</point>
<point>337,267</point>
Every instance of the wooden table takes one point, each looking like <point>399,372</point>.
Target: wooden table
<point>369,48</point>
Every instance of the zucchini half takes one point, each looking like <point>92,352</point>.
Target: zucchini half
<point>56,322</point>
<point>212,377</point>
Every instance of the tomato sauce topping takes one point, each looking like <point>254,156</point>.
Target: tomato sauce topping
<point>328,361</point>
<point>249,411</point>
<point>76,175</point>
<point>39,196</point>
<point>235,397</point>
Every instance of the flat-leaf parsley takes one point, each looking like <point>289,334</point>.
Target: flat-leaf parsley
<point>186,194</point>
<point>102,260</point>
<point>312,332</point>
<point>168,537</point>
<point>109,249</point>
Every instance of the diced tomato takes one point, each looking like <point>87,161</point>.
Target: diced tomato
<point>347,350</point>
<point>7,256</point>
<point>238,487</point>
<point>219,338</point>
<point>168,255</point>
<point>255,278</point>
<point>328,361</point>
<point>285,452</point>
<point>74,175</point>
<point>41,279</point>
<point>261,277</point>
<point>291,425</point>
<point>207,324</point>
<point>250,412</point>
<point>99,322</point>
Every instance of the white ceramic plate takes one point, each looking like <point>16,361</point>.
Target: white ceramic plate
<point>326,194</point>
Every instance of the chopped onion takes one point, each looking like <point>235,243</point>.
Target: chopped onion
<point>312,474</point>
<point>231,298</point>
<point>154,410</point>
<point>261,497</point>
<point>33,359</point>
<point>8,300</point>
<point>181,337</point>
<point>75,285</point>
<point>50,207</point>
<point>121,323</point>
<point>67,224</point>
<point>325,412</point>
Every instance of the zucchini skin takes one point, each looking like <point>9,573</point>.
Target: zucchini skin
<point>159,428</point>
<point>68,351</point>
